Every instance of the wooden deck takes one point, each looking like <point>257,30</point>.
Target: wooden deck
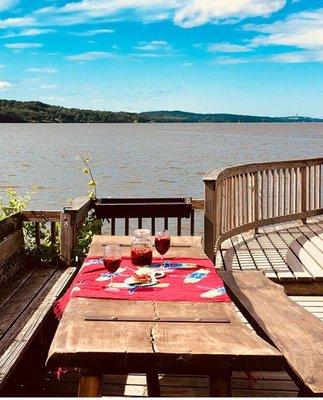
<point>289,253</point>
<point>265,384</point>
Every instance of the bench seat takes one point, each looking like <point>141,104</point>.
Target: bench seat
<point>25,302</point>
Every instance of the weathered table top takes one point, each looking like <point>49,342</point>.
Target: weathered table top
<point>173,347</point>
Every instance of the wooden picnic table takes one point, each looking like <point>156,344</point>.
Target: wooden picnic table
<point>157,336</point>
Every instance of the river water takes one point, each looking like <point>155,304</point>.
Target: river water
<point>140,159</point>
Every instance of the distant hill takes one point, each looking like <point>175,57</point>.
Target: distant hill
<point>35,111</point>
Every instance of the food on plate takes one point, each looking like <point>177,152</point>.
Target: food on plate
<point>142,278</point>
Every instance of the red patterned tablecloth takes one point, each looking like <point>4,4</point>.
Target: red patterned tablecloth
<point>197,284</point>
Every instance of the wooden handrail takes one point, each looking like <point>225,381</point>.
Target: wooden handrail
<point>249,196</point>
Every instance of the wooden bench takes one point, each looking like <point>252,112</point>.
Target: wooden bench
<point>274,316</point>
<point>27,294</point>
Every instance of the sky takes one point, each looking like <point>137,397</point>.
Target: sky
<point>259,57</point>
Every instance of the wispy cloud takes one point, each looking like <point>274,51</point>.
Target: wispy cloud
<point>29,32</point>
<point>155,45</point>
<point>92,32</point>
<point>197,12</point>
<point>90,56</point>
<point>7,4</point>
<point>184,13</point>
<point>45,87</point>
<point>303,30</point>
<point>227,48</point>
<point>4,85</point>
<point>25,45</point>
<point>42,70</point>
<point>154,49</point>
<point>17,22</point>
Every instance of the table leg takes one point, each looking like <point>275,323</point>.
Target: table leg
<point>153,389</point>
<point>220,384</point>
<point>90,384</point>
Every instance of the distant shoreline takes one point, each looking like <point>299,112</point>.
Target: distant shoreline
<point>12,111</point>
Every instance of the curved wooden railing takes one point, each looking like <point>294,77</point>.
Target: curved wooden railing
<point>247,197</point>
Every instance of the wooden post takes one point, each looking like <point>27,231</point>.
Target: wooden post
<point>303,191</point>
<point>153,389</point>
<point>67,238</point>
<point>210,223</point>
<point>90,384</point>
<point>220,384</point>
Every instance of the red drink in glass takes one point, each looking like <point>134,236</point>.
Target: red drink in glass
<point>111,264</point>
<point>162,244</point>
<point>141,256</point>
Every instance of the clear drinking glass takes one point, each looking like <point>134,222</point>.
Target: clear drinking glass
<point>162,243</point>
<point>112,261</point>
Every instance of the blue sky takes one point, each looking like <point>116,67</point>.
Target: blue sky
<point>261,57</point>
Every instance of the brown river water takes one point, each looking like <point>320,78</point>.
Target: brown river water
<point>140,159</point>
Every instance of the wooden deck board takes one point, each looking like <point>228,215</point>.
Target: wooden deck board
<point>290,253</point>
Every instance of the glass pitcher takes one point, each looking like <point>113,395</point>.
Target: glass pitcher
<point>141,248</point>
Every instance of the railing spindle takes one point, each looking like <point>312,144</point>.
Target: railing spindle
<point>166,223</point>
<point>192,226</point>
<point>179,226</point>
<point>113,226</point>
<point>37,233</point>
<point>126,226</point>
<point>153,225</point>
<point>53,232</point>
<point>303,191</point>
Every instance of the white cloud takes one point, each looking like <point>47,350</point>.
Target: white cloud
<point>20,46</point>
<point>303,30</point>
<point>297,57</point>
<point>90,56</point>
<point>29,32</point>
<point>5,85</point>
<point>16,22</point>
<point>155,45</point>
<point>227,48</point>
<point>199,12</point>
<point>42,70</point>
<point>48,86</point>
<point>185,13</point>
<point>6,4</point>
<point>92,32</point>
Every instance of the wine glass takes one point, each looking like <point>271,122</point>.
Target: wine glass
<point>112,261</point>
<point>162,243</point>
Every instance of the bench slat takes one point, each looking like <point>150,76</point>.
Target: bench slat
<point>10,225</point>
<point>9,289</point>
<point>11,245</point>
<point>23,298</point>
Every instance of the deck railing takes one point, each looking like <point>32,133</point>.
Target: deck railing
<point>126,214</point>
<point>247,197</point>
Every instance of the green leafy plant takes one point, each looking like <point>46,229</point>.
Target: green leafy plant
<point>92,225</point>
<point>87,170</point>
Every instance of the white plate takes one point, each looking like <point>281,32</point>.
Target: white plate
<point>131,282</point>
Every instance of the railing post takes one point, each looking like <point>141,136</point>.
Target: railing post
<point>303,191</point>
<point>67,238</point>
<point>210,223</point>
